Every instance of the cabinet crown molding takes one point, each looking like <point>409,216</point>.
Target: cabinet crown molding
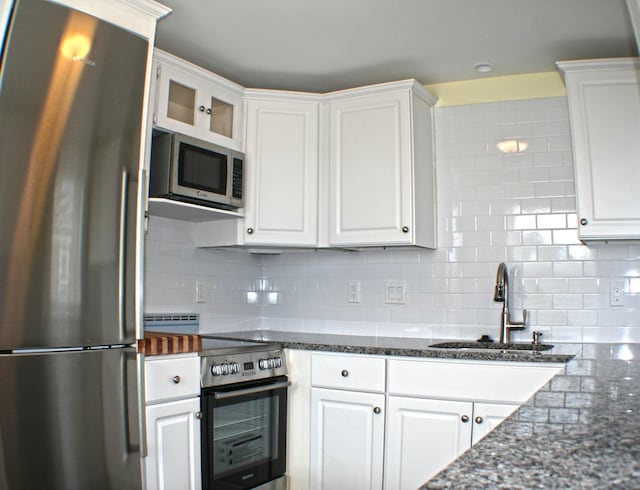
<point>149,7</point>
<point>270,94</point>
<point>598,64</point>
<point>409,85</point>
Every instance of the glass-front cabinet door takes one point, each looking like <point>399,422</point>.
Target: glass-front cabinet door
<point>198,103</point>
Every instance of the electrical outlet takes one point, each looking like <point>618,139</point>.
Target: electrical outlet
<point>201,292</point>
<point>354,291</point>
<point>396,292</point>
<point>616,293</point>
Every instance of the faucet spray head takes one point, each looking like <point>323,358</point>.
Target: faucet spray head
<point>502,281</point>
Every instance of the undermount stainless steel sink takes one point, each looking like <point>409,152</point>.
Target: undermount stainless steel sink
<point>492,346</point>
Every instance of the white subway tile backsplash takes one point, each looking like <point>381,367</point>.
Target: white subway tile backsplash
<point>537,237</point>
<point>522,222</point>
<point>493,207</point>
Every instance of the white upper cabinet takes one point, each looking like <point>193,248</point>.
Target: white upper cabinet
<point>604,109</point>
<point>193,101</point>
<point>281,170</point>
<point>280,175</point>
<point>382,174</point>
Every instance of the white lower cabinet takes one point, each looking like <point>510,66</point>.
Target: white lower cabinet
<point>347,422</point>
<point>173,441</point>
<point>486,416</point>
<point>347,434</point>
<point>172,389</point>
<point>393,423</point>
<point>425,435</point>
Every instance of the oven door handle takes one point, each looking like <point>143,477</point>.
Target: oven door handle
<point>221,395</point>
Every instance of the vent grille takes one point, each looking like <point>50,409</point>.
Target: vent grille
<point>171,319</point>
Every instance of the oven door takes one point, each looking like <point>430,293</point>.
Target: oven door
<point>244,434</point>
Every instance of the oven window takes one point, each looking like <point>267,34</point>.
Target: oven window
<point>202,169</point>
<point>244,439</point>
<point>243,435</point>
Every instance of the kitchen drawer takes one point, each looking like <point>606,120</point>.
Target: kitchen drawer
<point>348,372</point>
<point>171,378</point>
<point>508,382</point>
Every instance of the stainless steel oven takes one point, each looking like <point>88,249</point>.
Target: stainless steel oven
<point>244,407</point>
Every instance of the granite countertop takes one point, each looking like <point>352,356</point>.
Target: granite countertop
<point>396,346</point>
<point>579,431</point>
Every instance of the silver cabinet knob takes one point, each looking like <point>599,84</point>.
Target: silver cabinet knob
<point>344,373</point>
<point>199,415</point>
<point>209,111</point>
<point>405,229</point>
<point>176,379</point>
<point>584,221</point>
<point>465,418</point>
<point>377,410</point>
<point>479,420</point>
<point>201,108</point>
<point>250,231</point>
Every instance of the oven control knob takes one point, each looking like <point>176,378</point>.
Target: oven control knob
<point>235,368</point>
<point>225,369</point>
<point>277,362</point>
<point>263,363</point>
<point>216,370</point>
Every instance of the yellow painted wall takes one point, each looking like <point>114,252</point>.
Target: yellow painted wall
<point>498,89</point>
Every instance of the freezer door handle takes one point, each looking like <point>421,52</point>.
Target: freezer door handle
<point>142,414</point>
<point>122,244</point>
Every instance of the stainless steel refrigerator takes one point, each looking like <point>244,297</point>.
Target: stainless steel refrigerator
<point>70,129</point>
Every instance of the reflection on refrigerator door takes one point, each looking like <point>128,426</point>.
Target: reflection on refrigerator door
<point>69,420</point>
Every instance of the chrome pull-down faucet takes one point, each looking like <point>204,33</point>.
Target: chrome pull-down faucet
<point>501,294</point>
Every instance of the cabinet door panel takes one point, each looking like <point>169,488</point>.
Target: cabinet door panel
<point>177,102</point>
<point>173,439</point>
<point>370,170</point>
<point>282,172</point>
<point>486,416</point>
<point>604,106</point>
<point>347,439</point>
<point>423,437</point>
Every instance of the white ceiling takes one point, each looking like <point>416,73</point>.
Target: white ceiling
<point>325,45</point>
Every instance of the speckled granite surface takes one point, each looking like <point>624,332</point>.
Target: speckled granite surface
<point>580,431</point>
<point>397,346</point>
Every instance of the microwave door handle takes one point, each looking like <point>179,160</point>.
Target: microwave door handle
<point>250,391</point>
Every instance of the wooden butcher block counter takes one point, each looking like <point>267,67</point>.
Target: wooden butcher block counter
<point>163,343</point>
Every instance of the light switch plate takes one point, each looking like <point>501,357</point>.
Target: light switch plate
<point>396,292</point>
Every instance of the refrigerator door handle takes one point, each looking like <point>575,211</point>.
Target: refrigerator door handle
<point>140,234</point>
<point>142,413</point>
<point>122,244</point>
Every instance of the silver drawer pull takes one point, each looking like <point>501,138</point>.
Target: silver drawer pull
<point>176,379</point>
<point>199,415</point>
<point>465,418</point>
<point>377,410</point>
<point>479,420</point>
<point>344,373</point>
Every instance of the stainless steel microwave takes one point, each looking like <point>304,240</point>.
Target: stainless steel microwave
<point>191,170</point>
